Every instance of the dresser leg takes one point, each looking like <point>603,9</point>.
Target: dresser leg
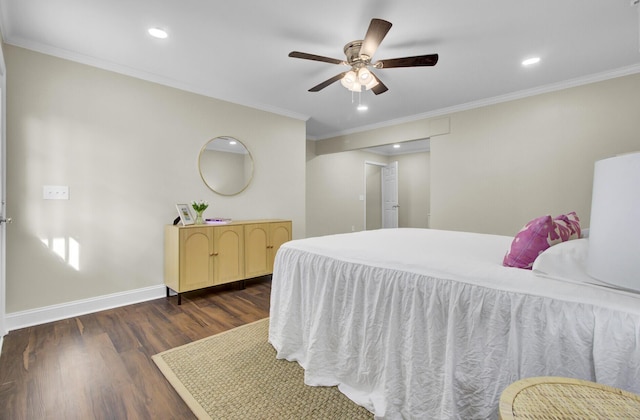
<point>179,296</point>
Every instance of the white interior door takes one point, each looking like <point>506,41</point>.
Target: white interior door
<point>390,196</point>
<point>3,218</point>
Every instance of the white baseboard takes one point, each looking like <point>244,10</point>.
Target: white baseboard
<point>28,318</point>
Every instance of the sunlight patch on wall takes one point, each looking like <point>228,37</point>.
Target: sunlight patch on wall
<point>67,249</point>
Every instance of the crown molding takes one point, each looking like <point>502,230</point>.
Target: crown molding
<point>155,78</point>
<point>580,81</point>
<point>146,76</point>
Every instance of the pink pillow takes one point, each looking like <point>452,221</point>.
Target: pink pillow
<point>538,235</point>
<point>529,243</point>
<point>567,226</point>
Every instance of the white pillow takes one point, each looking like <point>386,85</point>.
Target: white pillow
<point>565,261</point>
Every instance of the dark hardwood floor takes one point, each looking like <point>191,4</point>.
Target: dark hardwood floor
<point>99,366</point>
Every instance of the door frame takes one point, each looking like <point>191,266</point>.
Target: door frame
<point>364,203</point>
<point>3,193</point>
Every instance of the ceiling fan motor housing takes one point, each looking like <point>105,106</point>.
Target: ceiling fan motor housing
<point>354,59</point>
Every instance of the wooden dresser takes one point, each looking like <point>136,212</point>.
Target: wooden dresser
<point>199,256</point>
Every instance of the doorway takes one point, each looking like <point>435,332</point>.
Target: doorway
<point>381,195</point>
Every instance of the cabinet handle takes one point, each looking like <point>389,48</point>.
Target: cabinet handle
<point>213,254</point>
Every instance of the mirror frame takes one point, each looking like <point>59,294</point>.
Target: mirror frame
<point>207,183</point>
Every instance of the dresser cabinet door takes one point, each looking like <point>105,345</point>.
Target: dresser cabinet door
<point>280,232</point>
<point>228,254</point>
<point>196,264</point>
<point>262,241</point>
<point>256,240</point>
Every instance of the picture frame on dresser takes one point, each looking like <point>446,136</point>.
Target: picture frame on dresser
<point>185,214</point>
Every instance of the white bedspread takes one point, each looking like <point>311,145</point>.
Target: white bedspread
<point>427,324</point>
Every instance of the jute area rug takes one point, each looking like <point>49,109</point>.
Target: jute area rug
<point>235,375</point>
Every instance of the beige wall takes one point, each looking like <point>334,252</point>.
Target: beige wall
<point>413,189</point>
<point>492,169</point>
<point>335,183</point>
<point>128,151</point>
<point>373,196</point>
<point>505,164</point>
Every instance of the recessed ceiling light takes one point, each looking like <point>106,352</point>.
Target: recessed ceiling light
<point>158,33</point>
<point>362,107</point>
<point>531,61</point>
<point>396,146</point>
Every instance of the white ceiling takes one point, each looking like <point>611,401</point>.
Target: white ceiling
<point>237,50</point>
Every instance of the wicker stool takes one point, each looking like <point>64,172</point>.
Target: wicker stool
<point>563,398</point>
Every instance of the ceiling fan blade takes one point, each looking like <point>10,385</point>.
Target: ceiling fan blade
<point>416,61</point>
<point>327,82</point>
<point>305,56</point>
<point>378,29</point>
<point>380,87</point>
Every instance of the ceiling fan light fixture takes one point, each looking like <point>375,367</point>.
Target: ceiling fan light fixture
<point>364,76</point>
<point>349,79</point>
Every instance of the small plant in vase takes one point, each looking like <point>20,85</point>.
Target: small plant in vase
<point>199,207</point>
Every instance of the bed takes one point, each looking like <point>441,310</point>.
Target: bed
<point>422,323</point>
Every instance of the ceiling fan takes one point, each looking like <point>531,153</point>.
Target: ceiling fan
<point>359,54</point>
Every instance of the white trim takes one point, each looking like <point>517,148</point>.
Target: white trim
<point>566,84</point>
<point>162,80</point>
<point>150,77</point>
<point>22,319</point>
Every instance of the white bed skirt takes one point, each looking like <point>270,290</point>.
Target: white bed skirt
<point>408,341</point>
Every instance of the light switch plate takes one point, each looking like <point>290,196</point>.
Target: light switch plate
<point>55,192</point>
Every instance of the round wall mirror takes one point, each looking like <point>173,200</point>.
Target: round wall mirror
<point>225,165</point>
